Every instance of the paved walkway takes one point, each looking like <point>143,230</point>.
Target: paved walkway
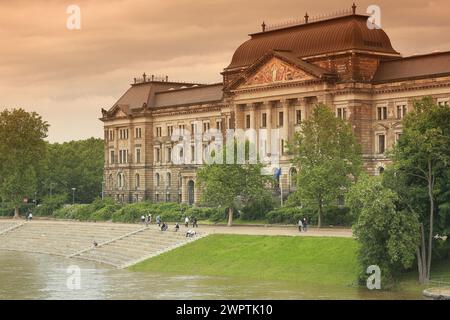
<point>276,230</point>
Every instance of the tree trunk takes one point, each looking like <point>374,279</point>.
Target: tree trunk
<point>319,218</point>
<point>430,236</point>
<point>16,212</point>
<point>421,257</point>
<point>230,217</point>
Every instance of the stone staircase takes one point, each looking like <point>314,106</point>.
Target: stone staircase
<point>119,245</point>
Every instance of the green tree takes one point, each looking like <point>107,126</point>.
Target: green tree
<point>22,151</point>
<point>74,164</point>
<point>421,174</point>
<point>388,236</point>
<point>233,185</point>
<point>328,156</point>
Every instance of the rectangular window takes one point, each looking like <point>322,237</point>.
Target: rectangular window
<point>192,153</point>
<point>219,125</point>
<point>401,111</point>
<point>193,128</point>
<point>298,116</point>
<point>282,147</point>
<point>342,113</point>
<point>280,119</point>
<point>205,126</point>
<point>169,131</point>
<point>158,131</point>
<point>138,133</point>
<point>111,159</point>
<point>181,128</point>
<point>382,113</point>
<point>157,155</point>
<point>169,154</point>
<point>138,155</point>
<point>381,143</point>
<point>111,135</point>
<point>264,120</point>
<point>247,121</point>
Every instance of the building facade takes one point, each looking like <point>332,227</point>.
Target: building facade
<point>273,81</point>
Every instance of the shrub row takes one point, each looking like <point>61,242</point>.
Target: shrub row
<point>108,209</point>
<point>290,215</point>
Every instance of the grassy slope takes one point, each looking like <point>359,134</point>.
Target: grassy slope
<point>305,259</point>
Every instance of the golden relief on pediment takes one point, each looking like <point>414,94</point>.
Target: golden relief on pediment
<point>276,70</point>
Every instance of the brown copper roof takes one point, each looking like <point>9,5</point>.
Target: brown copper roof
<point>191,95</point>
<point>414,67</point>
<point>314,38</point>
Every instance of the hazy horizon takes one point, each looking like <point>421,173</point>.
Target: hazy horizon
<point>67,76</point>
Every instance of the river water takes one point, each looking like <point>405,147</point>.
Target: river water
<point>37,276</point>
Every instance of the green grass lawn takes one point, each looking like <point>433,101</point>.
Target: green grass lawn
<point>313,260</point>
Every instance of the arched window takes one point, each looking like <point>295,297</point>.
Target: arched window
<point>169,179</point>
<point>380,170</point>
<point>138,180</point>
<point>119,180</point>
<point>157,179</point>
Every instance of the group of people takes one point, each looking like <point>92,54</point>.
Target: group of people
<point>194,222</point>
<point>303,225</point>
<point>147,220</point>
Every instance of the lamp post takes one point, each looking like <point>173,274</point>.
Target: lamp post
<point>73,195</point>
<point>51,188</point>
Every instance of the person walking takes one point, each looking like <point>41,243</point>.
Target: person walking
<point>158,221</point>
<point>300,225</point>
<point>186,221</point>
<point>305,224</point>
<point>142,219</point>
<point>149,218</point>
<point>177,227</point>
<point>194,222</point>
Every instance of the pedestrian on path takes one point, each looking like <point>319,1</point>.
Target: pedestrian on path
<point>177,227</point>
<point>186,221</point>
<point>143,219</point>
<point>158,221</point>
<point>305,224</point>
<point>149,218</point>
<point>194,222</point>
<point>300,225</point>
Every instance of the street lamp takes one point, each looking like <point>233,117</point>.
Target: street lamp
<point>73,195</point>
<point>51,188</point>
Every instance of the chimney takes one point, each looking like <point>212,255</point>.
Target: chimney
<point>167,78</point>
<point>153,77</point>
<point>263,26</point>
<point>306,17</point>
<point>354,8</point>
<point>144,76</point>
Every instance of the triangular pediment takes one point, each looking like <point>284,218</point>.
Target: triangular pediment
<point>278,67</point>
<point>275,71</point>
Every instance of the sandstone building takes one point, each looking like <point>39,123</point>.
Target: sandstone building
<point>273,81</point>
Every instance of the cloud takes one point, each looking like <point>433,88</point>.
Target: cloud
<point>67,76</point>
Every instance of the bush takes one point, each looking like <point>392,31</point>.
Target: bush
<point>257,209</point>
<point>332,216</point>
<point>50,205</point>
<point>201,213</point>
<point>69,211</point>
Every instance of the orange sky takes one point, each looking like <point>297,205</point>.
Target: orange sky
<point>68,76</point>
